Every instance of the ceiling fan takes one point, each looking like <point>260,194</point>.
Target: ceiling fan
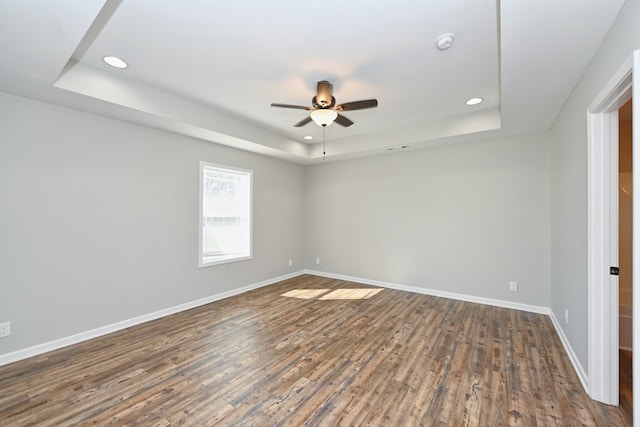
<point>324,110</point>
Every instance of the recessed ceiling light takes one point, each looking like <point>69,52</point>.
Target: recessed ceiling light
<point>474,101</point>
<point>308,137</point>
<point>115,62</point>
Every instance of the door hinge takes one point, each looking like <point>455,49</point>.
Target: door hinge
<point>614,271</point>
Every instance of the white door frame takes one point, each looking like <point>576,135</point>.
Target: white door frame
<point>602,120</point>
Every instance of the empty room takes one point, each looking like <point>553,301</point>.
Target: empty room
<point>338,213</point>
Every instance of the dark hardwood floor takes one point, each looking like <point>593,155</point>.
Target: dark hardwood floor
<point>311,351</point>
<point>626,384</point>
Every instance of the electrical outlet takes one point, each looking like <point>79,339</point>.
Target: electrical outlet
<point>290,263</point>
<point>513,286</point>
<point>317,261</point>
<point>566,316</point>
<point>5,329</point>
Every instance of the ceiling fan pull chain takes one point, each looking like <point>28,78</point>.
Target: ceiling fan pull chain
<point>324,142</point>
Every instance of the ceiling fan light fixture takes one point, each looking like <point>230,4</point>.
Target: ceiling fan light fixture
<point>323,117</point>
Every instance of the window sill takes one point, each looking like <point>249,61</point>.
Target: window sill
<point>211,261</point>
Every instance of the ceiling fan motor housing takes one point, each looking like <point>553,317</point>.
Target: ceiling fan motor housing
<point>323,102</point>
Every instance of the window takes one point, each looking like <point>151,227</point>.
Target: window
<point>225,214</point>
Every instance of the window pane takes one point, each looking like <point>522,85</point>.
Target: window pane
<point>225,214</point>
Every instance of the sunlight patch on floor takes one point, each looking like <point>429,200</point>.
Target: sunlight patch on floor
<point>335,294</point>
<point>306,293</point>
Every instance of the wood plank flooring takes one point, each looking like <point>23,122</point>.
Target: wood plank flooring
<point>626,383</point>
<point>311,351</point>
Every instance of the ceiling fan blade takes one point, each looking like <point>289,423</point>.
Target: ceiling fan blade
<point>342,120</point>
<point>357,105</point>
<point>298,107</point>
<point>303,122</point>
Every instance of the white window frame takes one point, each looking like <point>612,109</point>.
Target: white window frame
<point>202,258</point>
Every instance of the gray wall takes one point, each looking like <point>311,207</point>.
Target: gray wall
<point>99,221</point>
<point>465,218</point>
<point>569,179</point>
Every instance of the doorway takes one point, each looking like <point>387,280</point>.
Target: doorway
<point>625,257</point>
<point>603,236</point>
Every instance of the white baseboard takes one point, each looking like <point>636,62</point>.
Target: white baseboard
<point>104,330</point>
<point>584,379</point>
<point>435,293</point>
<point>488,301</point>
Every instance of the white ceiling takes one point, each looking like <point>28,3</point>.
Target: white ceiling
<point>211,69</point>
